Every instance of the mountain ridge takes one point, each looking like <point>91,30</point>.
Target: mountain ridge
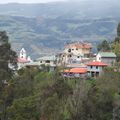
<point>49,26</point>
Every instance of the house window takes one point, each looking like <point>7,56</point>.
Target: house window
<point>96,67</point>
<point>72,49</point>
<point>78,56</point>
<point>40,61</point>
<point>69,50</point>
<point>70,55</point>
<point>91,67</point>
<point>47,61</point>
<point>76,48</point>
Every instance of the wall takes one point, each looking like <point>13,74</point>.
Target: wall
<point>109,61</point>
<point>94,69</point>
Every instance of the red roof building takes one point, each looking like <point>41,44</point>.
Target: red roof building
<point>96,63</point>
<point>79,45</point>
<point>95,68</point>
<point>77,70</point>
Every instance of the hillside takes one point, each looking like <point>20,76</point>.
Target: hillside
<point>43,28</point>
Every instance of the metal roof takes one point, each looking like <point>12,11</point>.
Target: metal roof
<point>107,54</point>
<point>51,58</point>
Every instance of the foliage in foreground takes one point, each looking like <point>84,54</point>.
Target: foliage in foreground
<point>48,96</point>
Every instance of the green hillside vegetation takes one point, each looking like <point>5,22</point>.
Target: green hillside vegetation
<point>40,35</point>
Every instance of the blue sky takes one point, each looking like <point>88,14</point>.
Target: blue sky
<point>28,1</point>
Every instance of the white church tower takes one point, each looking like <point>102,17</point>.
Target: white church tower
<point>23,54</point>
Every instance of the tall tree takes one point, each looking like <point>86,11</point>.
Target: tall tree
<point>7,57</point>
<point>116,43</point>
<point>104,46</point>
<point>118,30</point>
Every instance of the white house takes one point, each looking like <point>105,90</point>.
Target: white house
<point>106,57</point>
<point>95,68</point>
<point>50,61</point>
<point>47,60</point>
<point>76,52</point>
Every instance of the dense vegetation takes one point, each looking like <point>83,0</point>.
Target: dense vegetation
<point>32,94</point>
<point>37,95</point>
<point>6,74</point>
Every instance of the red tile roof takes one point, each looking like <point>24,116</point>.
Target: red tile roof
<point>97,63</point>
<point>22,60</point>
<point>79,45</point>
<point>77,70</point>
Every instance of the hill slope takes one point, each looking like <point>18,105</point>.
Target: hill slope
<point>45,28</point>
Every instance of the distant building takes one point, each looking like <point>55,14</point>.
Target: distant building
<point>23,54</point>
<point>106,57</point>
<point>76,52</point>
<point>75,72</point>
<point>95,68</point>
<point>48,61</point>
<point>23,59</point>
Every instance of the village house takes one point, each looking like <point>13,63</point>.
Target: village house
<point>75,72</point>
<point>76,52</point>
<point>48,61</point>
<point>106,57</point>
<point>95,68</point>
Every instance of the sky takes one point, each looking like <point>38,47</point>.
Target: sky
<point>39,1</point>
<point>28,1</point>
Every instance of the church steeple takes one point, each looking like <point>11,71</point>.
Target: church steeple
<point>23,54</point>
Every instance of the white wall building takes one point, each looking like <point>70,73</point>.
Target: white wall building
<point>76,52</point>
<point>47,60</point>
<point>106,57</point>
<point>95,68</point>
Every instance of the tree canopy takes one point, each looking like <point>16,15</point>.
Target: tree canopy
<point>104,46</point>
<point>116,44</point>
<point>7,57</point>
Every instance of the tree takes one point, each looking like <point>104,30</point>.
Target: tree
<point>116,44</point>
<point>7,57</point>
<point>24,82</point>
<point>54,99</point>
<point>118,30</point>
<point>104,46</point>
<point>23,109</point>
<point>109,89</point>
<point>98,101</point>
<point>116,110</point>
<point>77,102</point>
